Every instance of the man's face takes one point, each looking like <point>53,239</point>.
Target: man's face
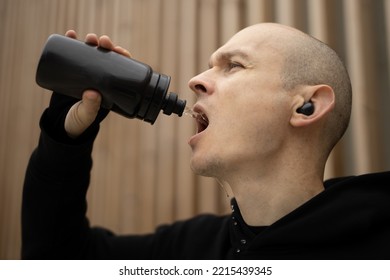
<point>244,104</point>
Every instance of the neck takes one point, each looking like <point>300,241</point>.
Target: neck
<point>263,201</point>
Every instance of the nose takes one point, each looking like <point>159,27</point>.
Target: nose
<point>202,84</point>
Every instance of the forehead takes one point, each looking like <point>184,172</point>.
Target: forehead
<point>251,44</point>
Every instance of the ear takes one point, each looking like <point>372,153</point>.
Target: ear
<point>323,99</point>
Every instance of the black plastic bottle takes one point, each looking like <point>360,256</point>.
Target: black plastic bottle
<point>128,87</point>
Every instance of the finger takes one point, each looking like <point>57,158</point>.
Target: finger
<point>71,34</point>
<point>122,51</point>
<point>82,114</point>
<point>105,42</point>
<point>92,39</point>
<point>73,126</point>
<point>91,102</point>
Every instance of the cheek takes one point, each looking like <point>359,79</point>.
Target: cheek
<point>257,132</point>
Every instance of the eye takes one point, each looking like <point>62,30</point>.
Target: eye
<point>234,65</point>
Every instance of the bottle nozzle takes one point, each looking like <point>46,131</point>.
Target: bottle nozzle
<point>172,104</point>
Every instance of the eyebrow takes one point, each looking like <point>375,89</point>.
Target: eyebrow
<point>225,56</point>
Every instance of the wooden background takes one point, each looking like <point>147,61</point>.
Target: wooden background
<point>141,176</point>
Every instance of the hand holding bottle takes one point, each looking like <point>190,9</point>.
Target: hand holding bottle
<point>82,114</point>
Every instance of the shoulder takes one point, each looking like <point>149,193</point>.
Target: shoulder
<point>374,180</point>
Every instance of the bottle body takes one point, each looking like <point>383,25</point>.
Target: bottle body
<point>128,87</point>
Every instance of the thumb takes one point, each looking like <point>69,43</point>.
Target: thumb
<point>82,114</point>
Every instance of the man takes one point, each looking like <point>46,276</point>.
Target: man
<point>282,99</point>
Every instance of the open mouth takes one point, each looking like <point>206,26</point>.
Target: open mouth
<point>202,122</point>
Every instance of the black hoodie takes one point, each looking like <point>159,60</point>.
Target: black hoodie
<point>349,220</point>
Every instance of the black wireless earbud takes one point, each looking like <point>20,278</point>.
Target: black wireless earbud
<point>306,109</point>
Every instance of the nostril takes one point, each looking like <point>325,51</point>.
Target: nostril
<point>200,88</point>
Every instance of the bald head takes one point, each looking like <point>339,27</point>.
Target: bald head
<point>308,61</point>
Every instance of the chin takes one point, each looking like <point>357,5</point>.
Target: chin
<point>197,168</point>
<point>205,166</point>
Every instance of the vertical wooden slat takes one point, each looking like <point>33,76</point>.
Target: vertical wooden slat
<point>317,19</point>
<point>257,11</point>
<point>284,12</point>
<point>6,122</point>
<point>5,22</point>
<point>291,12</point>
<point>230,19</point>
<point>360,26</point>
<point>386,96</point>
<point>20,109</point>
<point>354,39</point>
